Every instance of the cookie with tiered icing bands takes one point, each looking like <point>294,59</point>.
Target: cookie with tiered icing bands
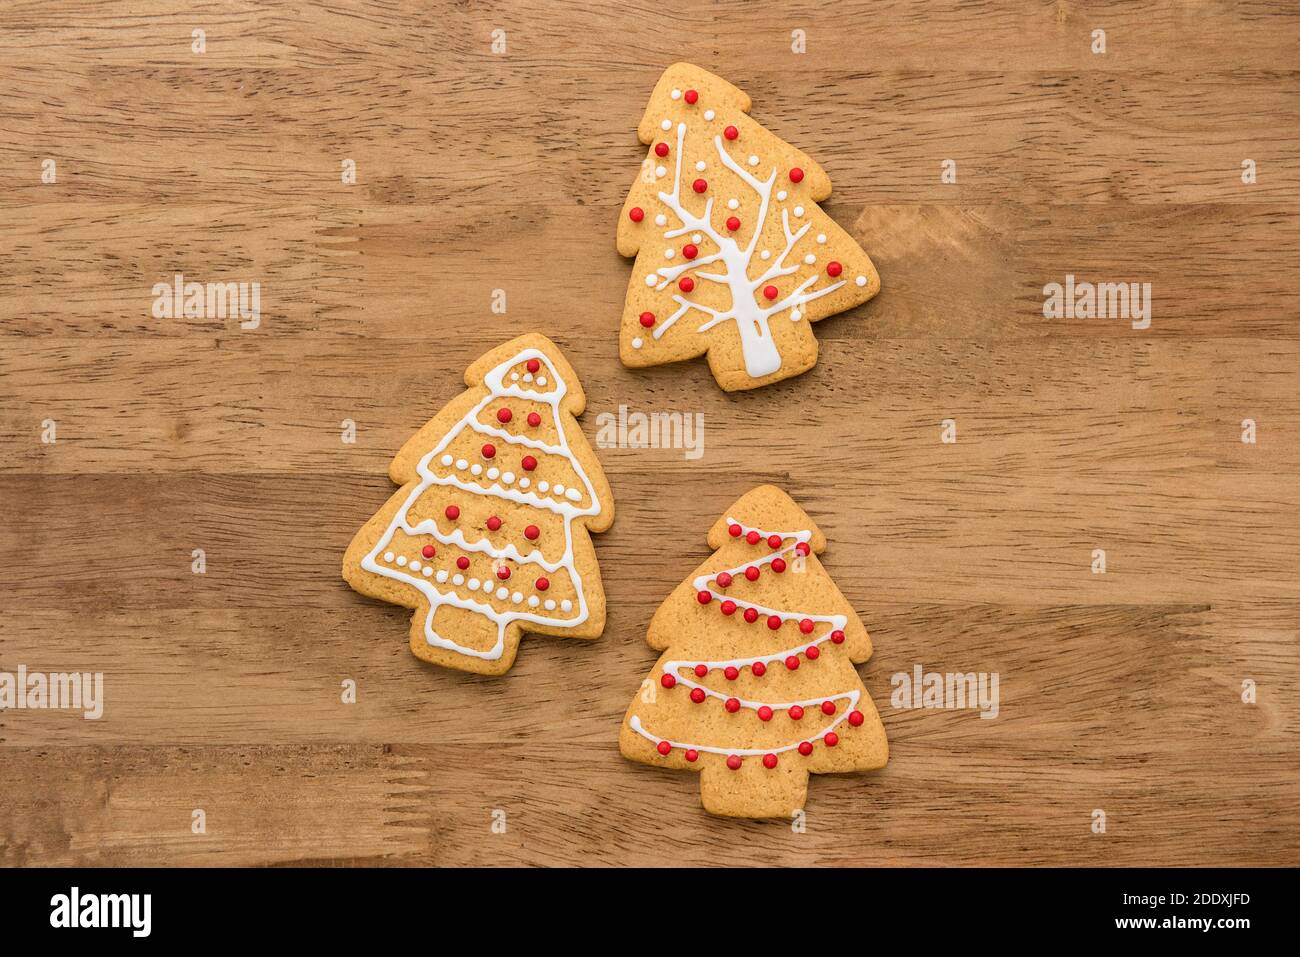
<point>734,258</point>
<point>488,536</point>
<point>756,688</point>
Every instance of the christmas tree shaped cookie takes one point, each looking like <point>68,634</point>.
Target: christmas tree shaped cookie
<point>734,258</point>
<point>757,688</point>
<point>488,536</point>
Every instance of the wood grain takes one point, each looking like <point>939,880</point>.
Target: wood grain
<point>477,172</point>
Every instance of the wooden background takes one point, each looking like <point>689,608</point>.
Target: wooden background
<point>1119,692</point>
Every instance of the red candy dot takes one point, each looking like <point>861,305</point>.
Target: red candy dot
<point>528,463</point>
<point>770,292</point>
<point>753,538</point>
<point>837,636</point>
<point>769,761</point>
<point>759,669</point>
<point>752,573</point>
<point>802,548</point>
<point>764,713</point>
<point>724,579</point>
<point>751,615</point>
<point>796,175</point>
<point>636,214</point>
<point>734,531</point>
<point>806,626</point>
<point>542,584</point>
<point>774,541</point>
<point>452,512</point>
<point>668,681</point>
<point>531,532</point>
<point>532,365</point>
<point>778,565</point>
<point>733,223</point>
<point>732,672</point>
<point>488,450</point>
<point>690,250</point>
<point>774,622</point>
<point>731,132</point>
<point>805,749</point>
<point>691,96</point>
<point>697,695</point>
<point>732,705</point>
<point>494,523</point>
<point>462,563</point>
<point>796,712</point>
<point>792,662</point>
<point>728,607</point>
<point>856,718</point>
<point>701,671</point>
<point>503,573</point>
<point>812,652</point>
<point>834,269</point>
<point>828,707</point>
<point>428,551</point>
<point>665,747</point>
<point>686,284</point>
<point>832,739</point>
<point>700,185</point>
<point>704,597</point>
<point>504,415</point>
<point>661,149</point>
<point>534,419</point>
<point>733,762</point>
<point>647,319</point>
<point>692,754</point>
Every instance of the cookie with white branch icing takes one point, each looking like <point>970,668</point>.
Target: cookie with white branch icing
<point>488,536</point>
<point>734,258</point>
<point>756,688</point>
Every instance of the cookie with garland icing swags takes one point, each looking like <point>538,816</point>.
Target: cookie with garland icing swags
<point>734,258</point>
<point>488,536</point>
<point>757,687</point>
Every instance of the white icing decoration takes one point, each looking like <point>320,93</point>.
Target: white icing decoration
<point>651,279</point>
<point>765,255</point>
<point>676,94</point>
<point>669,253</point>
<point>496,388</point>
<point>781,195</point>
<point>637,343</point>
<point>666,125</point>
<point>541,380</point>
<point>502,593</point>
<point>389,556</point>
<point>573,495</point>
<point>462,464</point>
<point>660,172</point>
<point>557,488</point>
<point>566,605</point>
<point>528,377</point>
<point>415,566</point>
<point>753,161</point>
<point>821,237</point>
<point>487,587</point>
<point>508,478</point>
<point>476,469</point>
<point>401,559</point>
<point>447,460</point>
<point>524,482</point>
<point>543,485</point>
<point>795,315</point>
<point>533,601</point>
<point>733,204</point>
<point>514,376</point>
<point>861,280</point>
<point>700,166</point>
<point>661,220</point>
<point>798,210</point>
<point>473,583</point>
<point>687,680</point>
<point>809,259</point>
<point>549,605</point>
<point>709,115</point>
<point>426,571</point>
<point>493,472</point>
<point>442,576</point>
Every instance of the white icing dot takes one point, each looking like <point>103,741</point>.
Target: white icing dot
<point>566,605</point>
<point>543,485</point>
<point>517,597</point>
<point>528,377</point>
<point>462,464</point>
<point>795,315</point>
<point>426,571</point>
<point>573,495</point>
<point>401,559</point>
<point>502,593</point>
<point>442,576</point>
<point>493,472</point>
<point>701,166</point>
<point>637,343</point>
<point>697,238</point>
<point>676,94</point>
<point>473,584</point>
<point>557,488</point>
<point>765,254</point>
<point>533,601</point>
<point>709,115</point>
<point>458,579</point>
<point>524,482</point>
<point>476,469</point>
<point>798,210</point>
<point>660,172</point>
<point>549,604</point>
<point>508,478</point>
<point>821,237</point>
<point>514,376</point>
<point>753,161</point>
<point>651,280</point>
<point>661,220</point>
<point>861,280</point>
<point>733,204</point>
<point>669,253</point>
<point>666,125</point>
<point>388,556</point>
<point>415,566</point>
<point>487,586</point>
<point>809,259</point>
<point>446,460</point>
<point>541,380</point>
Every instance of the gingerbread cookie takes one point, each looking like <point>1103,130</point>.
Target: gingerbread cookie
<point>757,688</point>
<point>488,536</point>
<point>734,258</point>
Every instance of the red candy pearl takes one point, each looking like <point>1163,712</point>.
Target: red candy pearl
<point>805,749</point>
<point>796,175</point>
<point>753,538</point>
<point>701,671</point>
<point>692,754</point>
<point>812,653</point>
<point>769,761</point>
<point>774,541</point>
<point>668,681</point>
<point>690,250</point>
<point>428,551</point>
<point>731,132</point>
<point>856,718</point>
<point>734,531</point>
<point>504,416</point>
<point>531,532</point>
<point>732,672</point>
<point>700,185</point>
<point>751,615</point>
<point>832,739</point>
<point>452,512</point>
<point>771,292</point>
<point>494,523</point>
<point>732,705</point>
<point>773,622</point>
<point>697,695</point>
<point>636,214</point>
<point>733,223</point>
<point>792,662</point>
<point>778,565</point>
<point>733,762</point>
<point>764,713</point>
<point>802,548</point>
<point>796,712</point>
<point>528,463</point>
<point>828,707</point>
<point>661,149</point>
<point>503,573</point>
<point>462,563</point>
<point>752,573</point>
<point>534,419</point>
<point>728,607</point>
<point>542,584</point>
<point>806,626</point>
<point>724,580</point>
<point>759,669</point>
<point>704,597</point>
<point>691,96</point>
<point>837,636</point>
<point>532,365</point>
<point>664,747</point>
<point>834,269</point>
<point>686,284</point>
<point>488,450</point>
<point>647,319</point>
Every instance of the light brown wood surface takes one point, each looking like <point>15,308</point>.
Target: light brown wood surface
<point>1120,692</point>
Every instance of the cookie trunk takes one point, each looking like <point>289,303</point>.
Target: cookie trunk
<point>753,791</point>
<point>756,342</point>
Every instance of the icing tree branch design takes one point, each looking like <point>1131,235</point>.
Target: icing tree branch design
<point>734,258</point>
<point>488,535</point>
<point>757,687</point>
